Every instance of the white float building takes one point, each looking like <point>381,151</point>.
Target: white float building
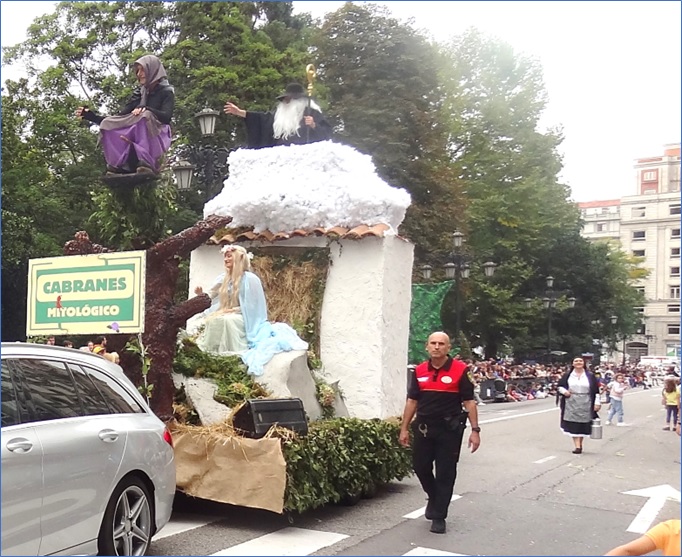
<point>328,196</point>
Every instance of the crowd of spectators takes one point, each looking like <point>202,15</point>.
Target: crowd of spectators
<point>532,381</point>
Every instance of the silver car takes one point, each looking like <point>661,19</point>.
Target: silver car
<point>87,468</point>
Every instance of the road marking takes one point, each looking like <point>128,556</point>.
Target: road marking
<point>657,496</point>
<point>543,460</point>
<point>425,551</point>
<point>285,542</point>
<point>493,420</point>
<point>179,525</point>
<point>514,416</point>
<point>650,416</point>
<point>420,512</point>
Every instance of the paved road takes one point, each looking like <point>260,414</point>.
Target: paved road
<point>522,493</point>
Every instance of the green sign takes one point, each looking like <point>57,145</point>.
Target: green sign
<point>86,294</point>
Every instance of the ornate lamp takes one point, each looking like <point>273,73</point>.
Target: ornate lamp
<point>207,119</point>
<point>184,171</point>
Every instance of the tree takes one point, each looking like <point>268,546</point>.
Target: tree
<point>384,95</point>
<point>518,214</point>
<point>42,201</point>
<point>52,165</point>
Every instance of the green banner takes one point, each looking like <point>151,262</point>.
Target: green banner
<point>86,294</point>
<point>427,299</point>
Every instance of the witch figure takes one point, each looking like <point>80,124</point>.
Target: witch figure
<point>136,139</point>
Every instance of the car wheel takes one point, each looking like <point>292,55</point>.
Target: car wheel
<point>127,525</point>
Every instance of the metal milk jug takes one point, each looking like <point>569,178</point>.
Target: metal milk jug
<point>596,431</point>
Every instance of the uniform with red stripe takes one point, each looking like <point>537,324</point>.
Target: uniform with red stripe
<point>440,391</point>
<point>440,398</point>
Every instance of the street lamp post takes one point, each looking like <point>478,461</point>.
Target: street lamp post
<point>459,267</point>
<point>207,162</point>
<point>614,320</point>
<point>549,303</point>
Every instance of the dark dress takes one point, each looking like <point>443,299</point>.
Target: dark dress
<point>577,412</point>
<point>259,130</point>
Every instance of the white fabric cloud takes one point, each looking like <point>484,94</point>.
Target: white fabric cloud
<point>322,184</point>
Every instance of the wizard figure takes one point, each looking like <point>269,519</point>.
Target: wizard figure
<point>296,120</point>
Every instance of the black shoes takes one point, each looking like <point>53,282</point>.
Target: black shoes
<point>115,170</point>
<point>577,451</point>
<point>428,512</point>
<point>438,526</point>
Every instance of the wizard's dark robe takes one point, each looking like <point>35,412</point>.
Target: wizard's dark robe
<point>259,130</point>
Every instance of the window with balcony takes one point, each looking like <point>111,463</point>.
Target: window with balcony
<point>638,212</point>
<point>674,271</point>
<point>673,308</point>
<point>675,253</point>
<point>675,209</point>
<point>639,252</point>
<point>675,292</point>
<point>675,233</point>
<point>638,235</point>
<point>673,329</point>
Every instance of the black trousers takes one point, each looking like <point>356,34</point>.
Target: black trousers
<point>440,445</point>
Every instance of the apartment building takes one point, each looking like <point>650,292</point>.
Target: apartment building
<point>601,219</point>
<point>647,225</point>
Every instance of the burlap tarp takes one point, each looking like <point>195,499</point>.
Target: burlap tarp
<point>233,470</point>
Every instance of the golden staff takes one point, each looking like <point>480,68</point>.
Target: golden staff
<point>311,74</point>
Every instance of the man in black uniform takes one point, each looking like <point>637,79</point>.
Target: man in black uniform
<point>439,388</point>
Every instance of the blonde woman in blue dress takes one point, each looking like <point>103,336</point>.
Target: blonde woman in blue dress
<point>236,322</point>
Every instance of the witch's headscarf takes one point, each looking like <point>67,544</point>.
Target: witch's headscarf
<point>155,75</point>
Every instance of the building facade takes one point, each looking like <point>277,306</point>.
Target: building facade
<point>647,225</point>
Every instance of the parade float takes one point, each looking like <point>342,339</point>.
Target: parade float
<point>323,228</point>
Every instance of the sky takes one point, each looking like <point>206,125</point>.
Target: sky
<point>613,72</point>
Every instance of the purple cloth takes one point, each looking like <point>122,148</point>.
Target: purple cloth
<point>144,133</point>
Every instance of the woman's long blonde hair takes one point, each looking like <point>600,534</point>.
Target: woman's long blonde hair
<point>240,264</point>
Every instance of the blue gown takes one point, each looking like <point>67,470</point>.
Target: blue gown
<point>263,339</point>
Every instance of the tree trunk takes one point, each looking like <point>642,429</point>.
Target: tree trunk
<point>491,349</point>
<point>163,318</point>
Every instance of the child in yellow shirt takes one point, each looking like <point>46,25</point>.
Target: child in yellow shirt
<point>664,537</point>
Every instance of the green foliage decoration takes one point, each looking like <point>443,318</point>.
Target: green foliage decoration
<point>326,396</point>
<point>341,458</point>
<point>134,218</point>
<point>235,385</point>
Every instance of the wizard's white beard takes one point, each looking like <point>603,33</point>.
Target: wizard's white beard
<point>288,117</point>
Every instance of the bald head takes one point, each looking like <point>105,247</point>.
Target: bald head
<point>438,347</point>
<point>439,336</point>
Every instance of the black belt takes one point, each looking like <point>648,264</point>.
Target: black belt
<point>440,420</point>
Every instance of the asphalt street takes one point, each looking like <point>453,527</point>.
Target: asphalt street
<point>522,493</point>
